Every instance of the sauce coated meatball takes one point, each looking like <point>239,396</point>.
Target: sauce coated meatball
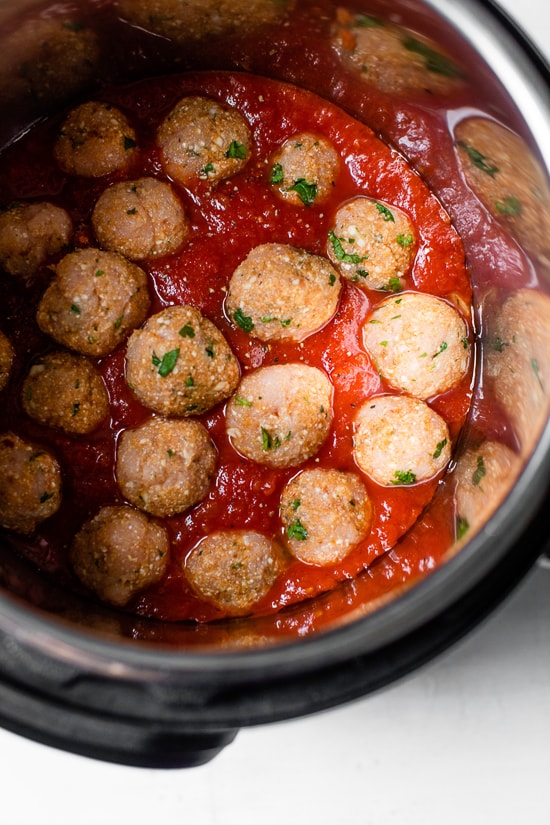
<point>94,301</point>
<point>30,233</point>
<point>65,391</point>
<point>179,363</point>
<point>201,139</point>
<point>30,484</point>
<point>234,569</point>
<point>483,476</point>
<point>95,139</point>
<point>326,513</point>
<point>281,414</point>
<point>372,244</point>
<point>6,359</point>
<point>400,440</point>
<point>119,552</point>
<point>140,219</point>
<point>304,170</point>
<point>165,466</point>
<point>419,343</point>
<point>279,292</point>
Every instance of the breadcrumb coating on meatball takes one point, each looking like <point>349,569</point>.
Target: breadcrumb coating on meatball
<point>280,415</point>
<point>66,391</point>
<point>304,170</point>
<point>30,484</point>
<point>234,569</point>
<point>282,293</point>
<point>399,440</point>
<point>140,219</point>
<point>325,513</point>
<point>30,234</point>
<point>119,552</point>
<point>6,359</point>
<point>94,301</point>
<point>95,139</point>
<point>202,139</point>
<point>179,363</point>
<point>165,466</point>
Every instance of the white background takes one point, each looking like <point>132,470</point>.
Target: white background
<point>465,741</point>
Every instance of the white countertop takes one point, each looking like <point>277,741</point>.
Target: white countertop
<point>463,741</point>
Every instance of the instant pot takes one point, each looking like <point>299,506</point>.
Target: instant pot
<point>94,681</point>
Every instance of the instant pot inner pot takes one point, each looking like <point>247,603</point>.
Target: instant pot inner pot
<point>427,81</point>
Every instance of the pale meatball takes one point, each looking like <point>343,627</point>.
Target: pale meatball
<point>281,414</point>
<point>418,343</point>
<point>179,363</point>
<point>325,513</point>
<point>6,359</point>
<point>140,219</point>
<point>372,243</point>
<point>234,569</point>
<point>279,292</point>
<point>165,466</point>
<point>400,440</point>
<point>119,552</point>
<point>202,139</point>
<point>94,301</point>
<point>483,476</point>
<point>30,234</point>
<point>304,170</point>
<point>95,139</point>
<point>65,390</point>
<point>391,58</point>
<point>30,484</point>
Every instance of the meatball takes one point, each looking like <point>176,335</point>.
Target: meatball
<point>30,484</point>
<point>279,292</point>
<point>94,301</point>
<point>372,244</point>
<point>140,219</point>
<point>391,58</point>
<point>326,513</point>
<point>304,170</point>
<point>504,174</point>
<point>281,414</point>
<point>66,391</point>
<point>201,139</point>
<point>234,569</point>
<point>179,363</point>
<point>119,552</point>
<point>419,343</point>
<point>6,359</point>
<point>165,466</point>
<point>30,233</point>
<point>483,476</point>
<point>400,440</point>
<point>95,139</point>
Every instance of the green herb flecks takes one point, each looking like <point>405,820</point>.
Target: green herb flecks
<point>277,174</point>
<point>187,331</point>
<point>385,212</point>
<point>478,159</point>
<point>270,442</point>
<point>244,321</point>
<point>442,348</point>
<point>405,240</point>
<point>509,206</point>
<point>167,363</point>
<point>236,150</point>
<point>480,471</point>
<point>462,527</point>
<point>440,447</point>
<point>367,21</point>
<point>296,530</point>
<point>242,402</point>
<point>341,254</point>
<point>404,477</point>
<point>307,192</point>
<point>434,61</point>
<point>129,143</point>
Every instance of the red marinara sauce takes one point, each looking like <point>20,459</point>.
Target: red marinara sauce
<point>226,222</point>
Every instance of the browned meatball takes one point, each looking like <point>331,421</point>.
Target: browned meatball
<point>166,465</point>
<point>95,139</point>
<point>120,552</point>
<point>66,391</point>
<point>372,244</point>
<point>94,301</point>
<point>326,513</point>
<point>279,292</point>
<point>234,569</point>
<point>30,233</point>
<point>140,219</point>
<point>281,414</point>
<point>6,359</point>
<point>179,363</point>
<point>304,169</point>
<point>202,139</point>
<point>30,484</point>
